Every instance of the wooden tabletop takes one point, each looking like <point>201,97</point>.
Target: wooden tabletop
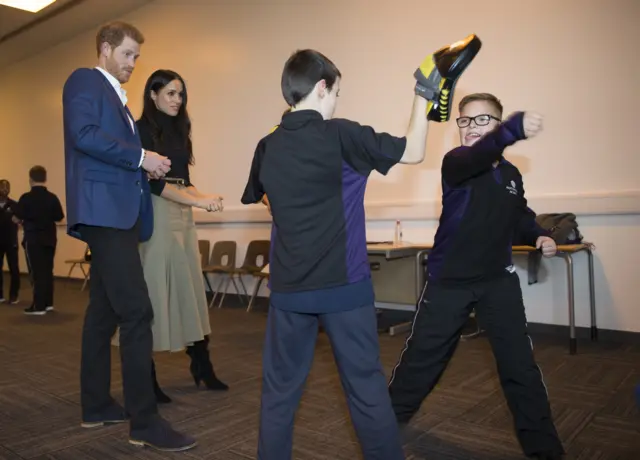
<point>561,248</point>
<point>390,246</point>
<point>420,246</point>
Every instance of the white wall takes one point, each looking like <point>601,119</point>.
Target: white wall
<point>570,60</point>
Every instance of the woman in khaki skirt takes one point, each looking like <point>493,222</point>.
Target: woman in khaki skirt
<point>171,258</point>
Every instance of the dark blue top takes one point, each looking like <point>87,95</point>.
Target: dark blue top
<point>483,207</point>
<point>163,136</point>
<point>315,173</point>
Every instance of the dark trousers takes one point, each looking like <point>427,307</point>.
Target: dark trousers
<point>439,319</point>
<point>118,297</point>
<point>40,262</point>
<point>11,252</point>
<point>287,357</point>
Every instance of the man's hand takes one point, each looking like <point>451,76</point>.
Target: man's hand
<point>155,164</point>
<point>532,124</point>
<point>15,220</point>
<point>547,245</point>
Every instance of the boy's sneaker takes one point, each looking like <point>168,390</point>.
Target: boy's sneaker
<point>49,308</point>
<point>34,311</point>
<point>14,301</point>
<point>2,299</point>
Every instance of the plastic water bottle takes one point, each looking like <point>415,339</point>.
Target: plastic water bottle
<point>397,239</point>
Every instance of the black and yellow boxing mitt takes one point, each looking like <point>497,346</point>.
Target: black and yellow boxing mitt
<point>438,74</point>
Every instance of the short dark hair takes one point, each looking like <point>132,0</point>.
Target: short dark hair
<point>114,34</point>
<point>486,97</point>
<point>302,71</point>
<point>38,174</point>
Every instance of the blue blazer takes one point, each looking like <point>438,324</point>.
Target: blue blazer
<point>105,187</point>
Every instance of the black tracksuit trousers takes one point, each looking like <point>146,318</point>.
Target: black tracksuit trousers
<point>440,316</point>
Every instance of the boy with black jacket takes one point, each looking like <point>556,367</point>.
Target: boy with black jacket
<point>470,267</point>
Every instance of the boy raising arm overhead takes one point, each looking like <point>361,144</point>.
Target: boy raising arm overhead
<point>314,170</point>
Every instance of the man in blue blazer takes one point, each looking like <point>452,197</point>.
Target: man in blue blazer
<point>109,207</point>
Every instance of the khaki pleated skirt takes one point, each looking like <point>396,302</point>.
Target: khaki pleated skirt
<point>172,270</point>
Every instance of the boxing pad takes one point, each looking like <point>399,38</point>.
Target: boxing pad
<point>438,74</point>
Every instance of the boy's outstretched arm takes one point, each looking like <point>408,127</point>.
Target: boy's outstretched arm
<point>465,162</point>
<point>417,131</point>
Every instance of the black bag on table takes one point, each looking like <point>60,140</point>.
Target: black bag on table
<point>563,228</point>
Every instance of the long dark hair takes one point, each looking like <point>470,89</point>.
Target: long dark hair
<point>158,80</point>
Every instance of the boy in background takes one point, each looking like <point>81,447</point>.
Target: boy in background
<point>470,267</point>
<point>314,170</point>
<point>40,211</point>
<point>8,242</point>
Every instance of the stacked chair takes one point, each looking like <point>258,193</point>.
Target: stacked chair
<point>222,262</point>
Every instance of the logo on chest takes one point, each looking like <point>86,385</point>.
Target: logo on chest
<point>512,188</point>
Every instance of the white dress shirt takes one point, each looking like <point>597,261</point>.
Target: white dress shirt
<point>122,94</point>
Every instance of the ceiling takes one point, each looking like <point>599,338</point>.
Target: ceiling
<point>23,34</point>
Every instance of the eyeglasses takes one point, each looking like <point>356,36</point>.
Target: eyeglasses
<point>479,120</point>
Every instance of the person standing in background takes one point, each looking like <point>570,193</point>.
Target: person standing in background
<point>39,211</point>
<point>8,243</point>
<point>109,207</point>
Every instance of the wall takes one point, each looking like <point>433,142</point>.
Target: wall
<point>568,60</point>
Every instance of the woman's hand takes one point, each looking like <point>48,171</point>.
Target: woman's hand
<point>211,203</point>
<point>266,202</point>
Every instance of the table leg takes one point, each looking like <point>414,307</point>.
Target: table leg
<point>592,298</point>
<point>420,286</point>
<point>572,308</point>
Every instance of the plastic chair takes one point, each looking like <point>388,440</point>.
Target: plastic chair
<point>255,260</point>
<point>218,266</point>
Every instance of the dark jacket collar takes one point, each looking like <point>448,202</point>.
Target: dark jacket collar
<point>300,118</point>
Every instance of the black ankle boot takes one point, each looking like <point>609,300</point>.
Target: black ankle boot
<point>201,368</point>
<point>161,397</point>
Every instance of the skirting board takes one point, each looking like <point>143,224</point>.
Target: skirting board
<point>581,204</point>
<point>584,333</point>
<point>604,335</point>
